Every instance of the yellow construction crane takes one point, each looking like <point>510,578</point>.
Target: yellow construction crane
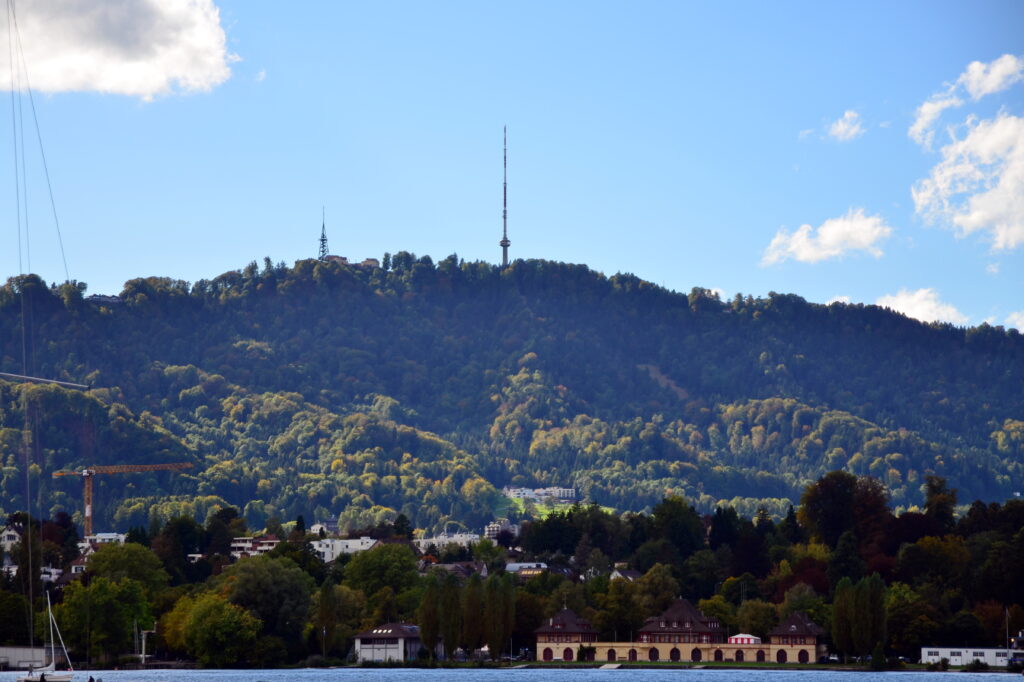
<point>88,472</point>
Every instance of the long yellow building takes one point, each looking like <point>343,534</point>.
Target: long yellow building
<point>680,634</point>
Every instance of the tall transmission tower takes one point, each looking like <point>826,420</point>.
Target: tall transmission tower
<point>323,235</point>
<point>504,243</point>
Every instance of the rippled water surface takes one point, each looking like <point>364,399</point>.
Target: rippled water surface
<point>516,675</point>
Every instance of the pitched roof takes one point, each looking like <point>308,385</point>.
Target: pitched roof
<point>681,616</point>
<point>391,630</point>
<point>566,621</point>
<point>798,623</point>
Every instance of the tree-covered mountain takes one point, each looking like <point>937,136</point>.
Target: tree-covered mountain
<point>326,389</point>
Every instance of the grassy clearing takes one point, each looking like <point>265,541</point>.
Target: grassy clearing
<point>539,511</point>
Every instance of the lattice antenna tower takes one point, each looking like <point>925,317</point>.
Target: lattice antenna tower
<point>504,243</point>
<point>323,234</point>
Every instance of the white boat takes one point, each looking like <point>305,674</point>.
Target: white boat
<point>49,672</point>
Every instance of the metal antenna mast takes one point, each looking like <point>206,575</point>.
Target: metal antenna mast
<point>504,243</point>
<point>323,235</point>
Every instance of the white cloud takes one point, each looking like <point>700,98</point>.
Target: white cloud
<point>982,79</point>
<point>261,76</point>
<point>847,128</point>
<point>1016,320</point>
<point>834,237</point>
<point>921,131</point>
<point>804,134</point>
<point>978,79</point>
<point>924,305</point>
<point>141,48</point>
<point>992,268</point>
<point>979,184</point>
<point>838,299</point>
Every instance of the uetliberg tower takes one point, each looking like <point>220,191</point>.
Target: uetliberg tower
<point>504,243</point>
<point>323,236</point>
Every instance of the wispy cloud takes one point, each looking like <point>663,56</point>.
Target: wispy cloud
<point>978,80</point>
<point>838,299</point>
<point>1016,320</point>
<point>261,76</point>
<point>922,131</point>
<point>854,231</point>
<point>924,305</point>
<point>846,128</point>
<point>141,48</point>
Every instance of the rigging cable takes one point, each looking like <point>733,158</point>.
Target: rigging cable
<point>42,151</point>
<point>26,439</point>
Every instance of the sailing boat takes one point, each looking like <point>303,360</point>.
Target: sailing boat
<point>48,673</point>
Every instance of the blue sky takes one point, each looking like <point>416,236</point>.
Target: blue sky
<point>745,147</point>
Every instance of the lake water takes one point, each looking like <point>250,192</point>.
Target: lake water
<point>516,675</point>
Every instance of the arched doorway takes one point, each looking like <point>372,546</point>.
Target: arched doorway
<point>674,654</point>
<point>718,655</point>
<point>760,656</point>
<point>611,655</point>
<point>632,655</point>
<point>781,656</point>
<point>652,654</point>
<point>695,654</point>
<point>803,656</point>
<point>739,655</point>
<point>548,654</point>
<point>567,654</point>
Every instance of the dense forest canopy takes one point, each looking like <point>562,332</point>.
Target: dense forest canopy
<point>327,389</point>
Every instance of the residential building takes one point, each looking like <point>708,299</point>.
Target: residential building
<point>444,539</point>
<point>390,642</point>
<point>626,574</point>
<point>463,570</point>
<point>9,537</point>
<point>962,655</point>
<point>492,529</point>
<point>527,570</point>
<point>253,546</point>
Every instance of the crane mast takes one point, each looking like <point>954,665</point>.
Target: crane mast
<point>88,472</point>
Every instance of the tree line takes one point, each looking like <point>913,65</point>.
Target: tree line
<point>878,582</point>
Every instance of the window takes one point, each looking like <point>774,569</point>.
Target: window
<point>955,653</point>
<point>1000,654</point>
<point>933,653</point>
<point>978,654</point>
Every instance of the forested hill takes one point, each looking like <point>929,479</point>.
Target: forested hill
<point>422,388</point>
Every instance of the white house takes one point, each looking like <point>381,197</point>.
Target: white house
<point>330,549</point>
<point>962,655</point>
<point>390,642</point>
<point>9,538</point>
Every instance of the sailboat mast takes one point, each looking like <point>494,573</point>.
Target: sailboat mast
<point>53,649</point>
